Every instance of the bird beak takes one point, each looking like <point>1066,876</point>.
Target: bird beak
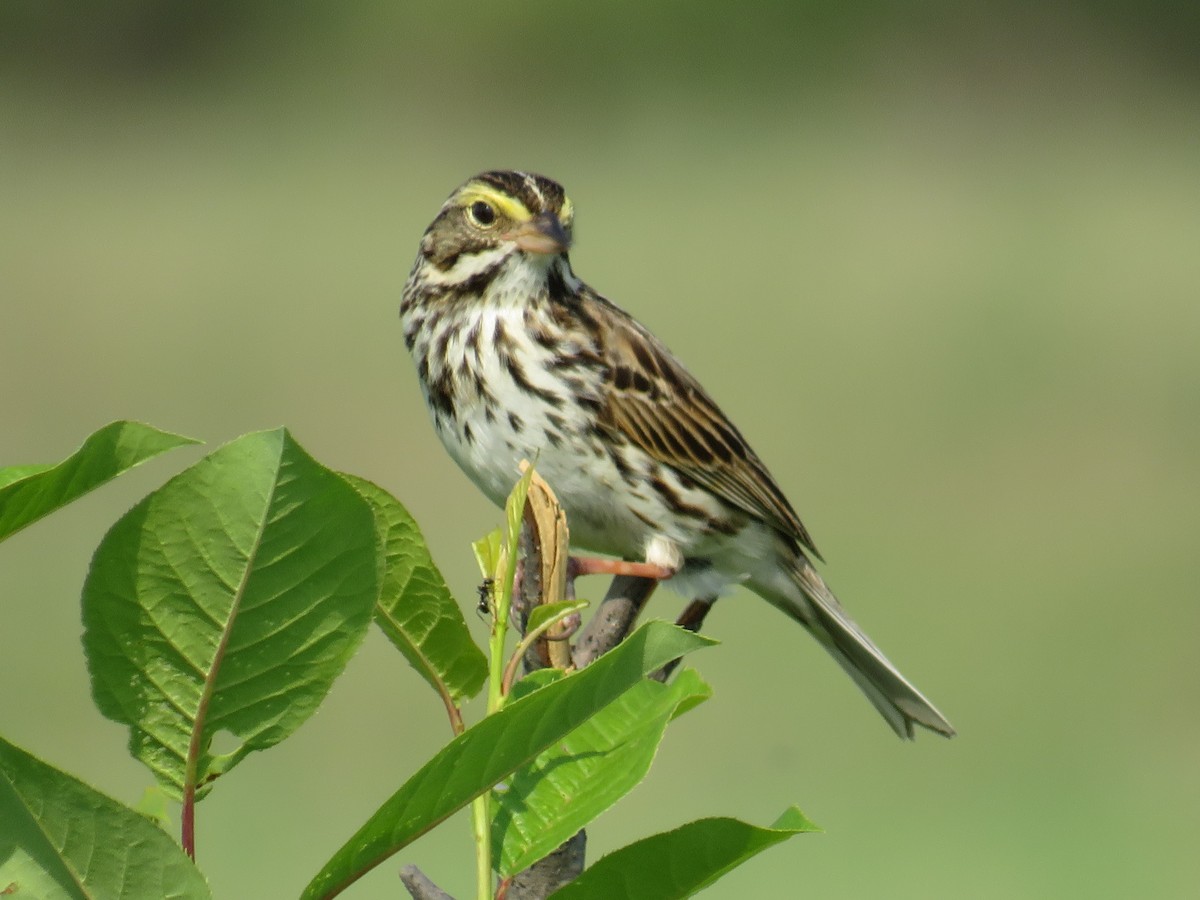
<point>542,234</point>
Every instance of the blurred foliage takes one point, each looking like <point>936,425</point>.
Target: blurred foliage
<point>787,42</point>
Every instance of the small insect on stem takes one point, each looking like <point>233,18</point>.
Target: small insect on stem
<point>486,591</point>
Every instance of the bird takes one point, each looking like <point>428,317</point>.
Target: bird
<point>517,358</point>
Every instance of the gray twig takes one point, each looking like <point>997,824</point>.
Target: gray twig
<point>613,621</point>
<point>420,887</point>
<point>547,875</point>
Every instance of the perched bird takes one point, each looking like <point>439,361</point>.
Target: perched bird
<point>518,358</point>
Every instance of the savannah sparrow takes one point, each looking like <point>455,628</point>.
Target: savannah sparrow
<point>518,358</point>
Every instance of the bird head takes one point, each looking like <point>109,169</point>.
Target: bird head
<point>499,214</point>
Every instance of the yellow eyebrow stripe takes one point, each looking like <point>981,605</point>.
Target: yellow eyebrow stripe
<point>507,206</point>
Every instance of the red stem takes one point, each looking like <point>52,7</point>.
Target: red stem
<point>188,837</point>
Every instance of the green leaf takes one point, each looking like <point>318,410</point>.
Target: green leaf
<point>61,838</point>
<point>514,509</point>
<point>415,609</point>
<point>9,474</point>
<point>535,680</point>
<point>546,614</point>
<point>582,775</point>
<point>483,755</point>
<point>506,564</point>
<point>153,806</point>
<point>228,600</point>
<point>682,862</point>
<point>29,492</point>
<point>487,552</point>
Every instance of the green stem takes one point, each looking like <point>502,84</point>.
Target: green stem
<point>504,591</point>
<point>481,813</point>
<point>481,824</point>
<point>502,585</point>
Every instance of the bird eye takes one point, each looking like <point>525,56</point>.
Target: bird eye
<point>482,213</point>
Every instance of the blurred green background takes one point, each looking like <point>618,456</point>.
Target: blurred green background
<point>968,239</point>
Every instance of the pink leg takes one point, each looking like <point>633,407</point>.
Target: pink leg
<point>595,565</point>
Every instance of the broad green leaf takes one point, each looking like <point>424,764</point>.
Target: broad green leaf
<point>228,600</point>
<point>682,862</point>
<point>579,777</point>
<point>486,753</point>
<point>9,474</point>
<point>63,839</point>
<point>29,492</point>
<point>415,609</point>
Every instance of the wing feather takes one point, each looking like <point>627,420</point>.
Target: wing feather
<point>651,400</point>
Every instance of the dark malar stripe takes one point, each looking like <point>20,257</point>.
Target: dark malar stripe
<point>471,287</point>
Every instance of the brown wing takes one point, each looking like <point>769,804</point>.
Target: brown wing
<point>653,401</point>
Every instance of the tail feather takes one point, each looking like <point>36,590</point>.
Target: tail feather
<point>901,704</point>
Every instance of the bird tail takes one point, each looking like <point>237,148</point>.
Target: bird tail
<point>815,607</point>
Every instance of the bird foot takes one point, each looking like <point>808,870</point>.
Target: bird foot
<point>595,565</point>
